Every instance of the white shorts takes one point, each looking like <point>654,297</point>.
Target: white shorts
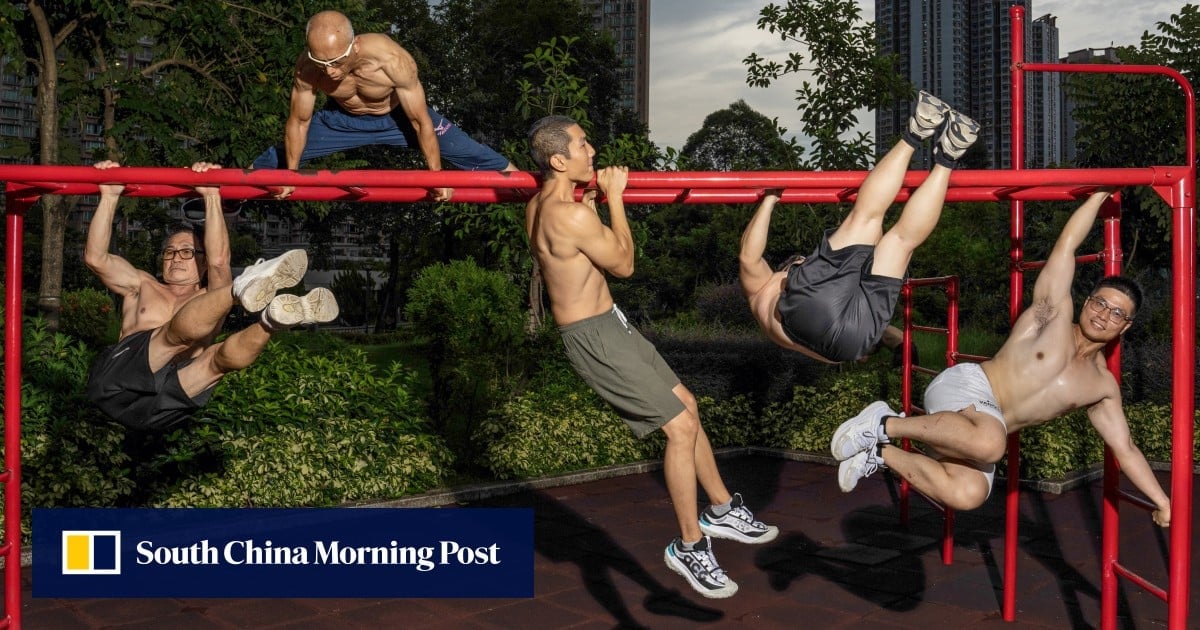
<point>957,388</point>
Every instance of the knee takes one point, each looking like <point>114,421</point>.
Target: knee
<point>684,428</point>
<point>969,494</point>
<point>689,400</point>
<point>992,444</point>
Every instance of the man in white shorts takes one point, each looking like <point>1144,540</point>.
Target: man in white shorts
<point>1048,366</point>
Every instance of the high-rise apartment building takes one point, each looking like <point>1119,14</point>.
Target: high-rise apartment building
<point>628,21</point>
<point>960,51</point>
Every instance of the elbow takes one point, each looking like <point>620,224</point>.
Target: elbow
<point>218,259</point>
<point>92,260</point>
<point>623,271</point>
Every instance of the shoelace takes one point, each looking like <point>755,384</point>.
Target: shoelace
<point>709,562</point>
<point>744,515</point>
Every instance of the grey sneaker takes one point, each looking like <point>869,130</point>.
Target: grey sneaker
<point>861,466</point>
<point>958,134</point>
<point>699,567</point>
<point>927,115</point>
<point>257,284</point>
<point>317,307</point>
<point>737,524</point>
<point>861,432</point>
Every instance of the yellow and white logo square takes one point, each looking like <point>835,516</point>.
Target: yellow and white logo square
<point>91,552</point>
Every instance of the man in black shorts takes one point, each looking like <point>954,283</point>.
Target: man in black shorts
<point>834,304</point>
<point>165,365</point>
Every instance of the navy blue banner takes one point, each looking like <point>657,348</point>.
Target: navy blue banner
<point>269,552</point>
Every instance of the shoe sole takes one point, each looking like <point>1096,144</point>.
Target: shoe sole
<point>733,534</point>
<point>953,134</point>
<point>729,590</point>
<point>317,307</point>
<point>845,482</point>
<point>288,272</point>
<point>843,434</point>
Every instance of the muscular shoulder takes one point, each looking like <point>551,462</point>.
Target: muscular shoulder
<point>389,56</point>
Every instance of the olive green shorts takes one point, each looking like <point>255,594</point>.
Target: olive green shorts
<point>616,361</point>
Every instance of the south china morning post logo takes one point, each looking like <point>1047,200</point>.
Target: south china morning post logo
<point>272,552</point>
<point>91,552</point>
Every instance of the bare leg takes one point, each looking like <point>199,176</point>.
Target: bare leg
<point>679,469</point>
<point>864,224</point>
<point>237,352</point>
<point>916,223</point>
<point>195,324</point>
<point>968,434</point>
<point>953,484</point>
<point>706,463</point>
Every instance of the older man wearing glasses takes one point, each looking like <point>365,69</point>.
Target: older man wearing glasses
<point>375,98</point>
<point>1048,366</point>
<point>165,364</point>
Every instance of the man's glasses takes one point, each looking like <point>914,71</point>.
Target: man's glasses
<point>186,253</point>
<point>1115,315</point>
<point>336,61</point>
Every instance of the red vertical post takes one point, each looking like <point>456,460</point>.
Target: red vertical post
<point>12,406</point>
<point>1183,385</point>
<point>951,352</point>
<point>1012,497</point>
<point>906,390</point>
<point>1111,512</point>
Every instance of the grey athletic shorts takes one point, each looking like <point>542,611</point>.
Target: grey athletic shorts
<point>957,388</point>
<point>833,304</point>
<point>616,361</point>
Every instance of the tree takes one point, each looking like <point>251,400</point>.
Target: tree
<point>740,139</point>
<point>1130,120</point>
<point>847,75</point>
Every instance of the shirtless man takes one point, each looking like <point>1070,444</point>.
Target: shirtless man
<point>575,249</point>
<point>1047,367</point>
<point>165,364</point>
<point>835,304</point>
<point>375,97</point>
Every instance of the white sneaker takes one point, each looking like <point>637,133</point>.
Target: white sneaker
<point>927,116</point>
<point>699,567</point>
<point>859,467</point>
<point>958,134</point>
<point>737,524</point>
<point>286,310</point>
<point>256,286</point>
<point>860,432</point>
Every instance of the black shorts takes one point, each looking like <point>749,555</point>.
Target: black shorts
<point>123,387</point>
<point>834,306</point>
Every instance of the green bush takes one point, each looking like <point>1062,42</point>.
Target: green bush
<point>89,315</point>
<point>70,456</point>
<point>327,462</point>
<point>731,422</point>
<point>1058,447</point>
<point>808,420</point>
<point>559,425</point>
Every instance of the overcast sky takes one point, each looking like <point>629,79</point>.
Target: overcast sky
<point>697,47</point>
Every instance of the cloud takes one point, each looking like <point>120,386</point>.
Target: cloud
<point>697,47</point>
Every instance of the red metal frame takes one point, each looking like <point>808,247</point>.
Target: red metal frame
<point>1175,184</point>
<point>1182,199</point>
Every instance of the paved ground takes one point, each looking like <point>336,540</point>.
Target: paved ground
<point>841,561</point>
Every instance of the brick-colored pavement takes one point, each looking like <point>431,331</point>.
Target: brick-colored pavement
<point>841,561</point>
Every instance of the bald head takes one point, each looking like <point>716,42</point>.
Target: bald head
<point>328,29</point>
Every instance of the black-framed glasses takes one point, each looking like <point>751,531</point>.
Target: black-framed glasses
<point>336,61</point>
<point>185,253</point>
<point>1115,315</point>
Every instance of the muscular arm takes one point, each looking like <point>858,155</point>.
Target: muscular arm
<point>753,270</point>
<point>216,235</point>
<point>608,247</point>
<point>115,272</point>
<point>303,100</point>
<point>1109,420</point>
<point>401,69</point>
<point>1054,282</point>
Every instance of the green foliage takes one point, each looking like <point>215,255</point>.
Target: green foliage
<point>355,291</point>
<point>848,75</point>
<point>331,461</point>
<point>89,315</point>
<point>558,426</point>
<point>1055,448</point>
<point>732,422</point>
<point>473,319</point>
<point>560,92</point>
<point>70,456</point>
<point>808,420</point>
<point>740,139</point>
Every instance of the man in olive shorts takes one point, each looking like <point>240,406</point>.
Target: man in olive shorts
<point>574,249</point>
<point>835,304</point>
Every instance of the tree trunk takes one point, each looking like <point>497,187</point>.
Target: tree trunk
<point>53,206</point>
